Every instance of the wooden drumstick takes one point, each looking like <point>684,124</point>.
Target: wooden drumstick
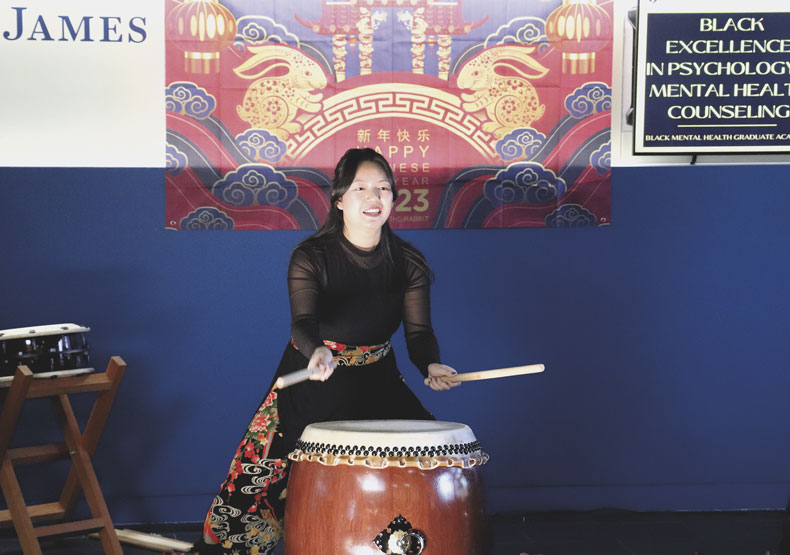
<point>295,377</point>
<point>491,374</point>
<point>302,375</point>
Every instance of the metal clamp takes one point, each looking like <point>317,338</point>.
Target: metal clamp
<point>399,538</point>
<point>406,543</point>
<point>403,542</point>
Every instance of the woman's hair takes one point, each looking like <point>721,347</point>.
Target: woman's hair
<point>394,249</point>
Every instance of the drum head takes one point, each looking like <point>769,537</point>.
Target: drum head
<point>388,433</point>
<point>39,331</point>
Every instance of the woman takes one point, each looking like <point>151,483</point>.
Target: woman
<point>351,285</point>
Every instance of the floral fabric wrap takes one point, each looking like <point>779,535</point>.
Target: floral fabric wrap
<point>355,355</point>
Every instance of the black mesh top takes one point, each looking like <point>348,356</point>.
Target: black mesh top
<point>345,294</point>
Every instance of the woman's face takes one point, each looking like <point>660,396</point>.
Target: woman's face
<point>367,203</point>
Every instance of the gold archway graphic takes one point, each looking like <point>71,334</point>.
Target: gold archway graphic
<point>387,100</point>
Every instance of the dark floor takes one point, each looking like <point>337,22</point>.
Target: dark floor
<point>604,532</point>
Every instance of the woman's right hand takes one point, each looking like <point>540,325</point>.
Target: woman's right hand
<point>323,364</point>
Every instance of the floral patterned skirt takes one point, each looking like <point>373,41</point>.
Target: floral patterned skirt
<point>246,515</point>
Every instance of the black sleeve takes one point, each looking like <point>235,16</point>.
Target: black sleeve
<point>304,285</point>
<point>420,340</point>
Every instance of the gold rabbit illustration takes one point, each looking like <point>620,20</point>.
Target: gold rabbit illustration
<point>499,78</point>
<point>284,78</point>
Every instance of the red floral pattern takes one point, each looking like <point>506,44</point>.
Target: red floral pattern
<point>242,518</point>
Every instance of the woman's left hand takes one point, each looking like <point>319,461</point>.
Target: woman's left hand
<point>435,373</point>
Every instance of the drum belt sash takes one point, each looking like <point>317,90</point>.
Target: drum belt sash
<point>355,355</point>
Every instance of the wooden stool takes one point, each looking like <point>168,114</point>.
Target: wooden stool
<point>78,446</point>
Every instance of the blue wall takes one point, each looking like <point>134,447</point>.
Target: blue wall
<point>664,337</point>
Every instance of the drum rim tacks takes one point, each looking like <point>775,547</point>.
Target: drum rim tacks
<point>390,443</point>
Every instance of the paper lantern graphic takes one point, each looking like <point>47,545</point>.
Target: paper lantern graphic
<point>202,29</point>
<point>578,28</point>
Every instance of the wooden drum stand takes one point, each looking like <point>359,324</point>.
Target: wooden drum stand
<point>77,446</point>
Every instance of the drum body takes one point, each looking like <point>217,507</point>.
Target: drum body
<point>373,487</point>
<point>46,350</point>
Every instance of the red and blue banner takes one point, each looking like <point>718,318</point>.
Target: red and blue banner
<point>492,114</point>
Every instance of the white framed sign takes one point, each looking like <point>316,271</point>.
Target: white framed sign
<point>713,79</point>
<point>82,83</point>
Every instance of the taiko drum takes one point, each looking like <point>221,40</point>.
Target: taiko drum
<point>386,486</point>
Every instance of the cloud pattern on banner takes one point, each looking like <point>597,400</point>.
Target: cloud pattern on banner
<point>189,99</point>
<point>175,160</point>
<point>521,30</point>
<point>601,158</point>
<point>255,185</point>
<point>524,182</point>
<point>520,143</point>
<point>571,215</point>
<point>206,219</point>
<point>261,144</point>
<point>589,99</point>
